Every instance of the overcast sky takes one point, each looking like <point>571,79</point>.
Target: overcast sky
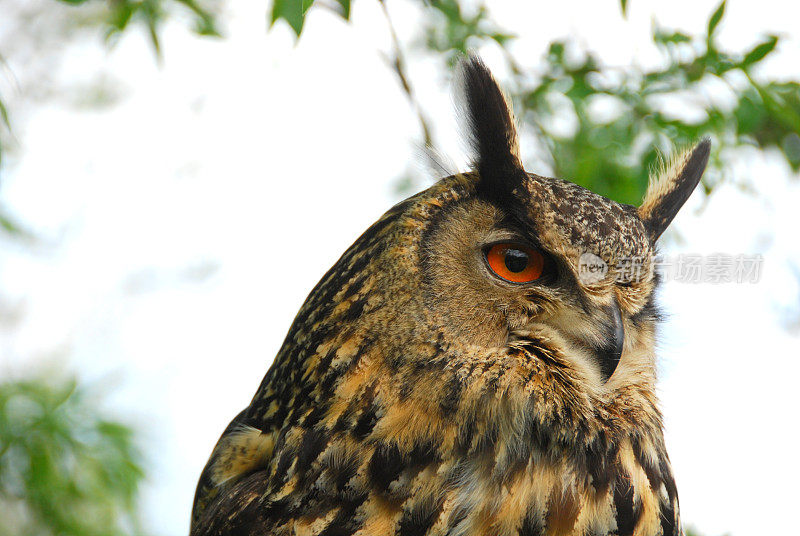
<point>166,214</point>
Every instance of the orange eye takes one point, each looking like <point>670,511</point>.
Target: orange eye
<point>515,263</point>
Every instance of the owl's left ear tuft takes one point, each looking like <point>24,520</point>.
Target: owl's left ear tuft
<point>669,189</point>
<point>490,128</point>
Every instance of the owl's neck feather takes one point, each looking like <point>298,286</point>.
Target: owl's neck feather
<point>482,441</point>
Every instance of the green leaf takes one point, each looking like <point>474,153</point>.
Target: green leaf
<point>760,51</point>
<point>292,11</point>
<point>70,470</point>
<point>152,30</point>
<point>205,21</point>
<point>345,8</point>
<point>555,53</point>
<point>120,16</point>
<point>623,4</point>
<point>502,38</point>
<point>750,115</point>
<point>716,17</point>
<point>791,149</point>
<point>9,226</point>
<point>660,37</point>
<point>4,115</point>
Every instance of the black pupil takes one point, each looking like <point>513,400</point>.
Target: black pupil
<point>516,260</point>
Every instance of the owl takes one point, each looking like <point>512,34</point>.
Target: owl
<point>481,361</point>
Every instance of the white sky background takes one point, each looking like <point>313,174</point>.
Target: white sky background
<point>184,225</point>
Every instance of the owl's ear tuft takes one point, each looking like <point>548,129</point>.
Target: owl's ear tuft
<point>490,128</point>
<point>671,187</point>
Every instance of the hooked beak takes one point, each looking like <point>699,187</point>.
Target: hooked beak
<point>611,352</point>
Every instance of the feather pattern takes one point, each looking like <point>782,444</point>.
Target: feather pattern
<point>416,395</point>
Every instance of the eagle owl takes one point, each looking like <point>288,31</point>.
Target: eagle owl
<point>457,373</point>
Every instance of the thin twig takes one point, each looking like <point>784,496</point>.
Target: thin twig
<point>398,64</point>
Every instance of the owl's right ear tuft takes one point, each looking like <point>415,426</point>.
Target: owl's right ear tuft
<point>490,128</point>
<point>670,188</point>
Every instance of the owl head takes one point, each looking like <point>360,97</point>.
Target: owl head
<point>478,264</point>
<point>482,257</point>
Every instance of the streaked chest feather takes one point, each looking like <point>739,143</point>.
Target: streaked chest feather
<point>476,451</point>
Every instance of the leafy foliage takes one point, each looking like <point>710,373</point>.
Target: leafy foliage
<point>65,469</point>
<point>120,16</point>
<point>294,12</point>
<point>151,13</point>
<point>622,120</point>
<point>606,127</point>
<point>619,121</point>
<point>449,31</point>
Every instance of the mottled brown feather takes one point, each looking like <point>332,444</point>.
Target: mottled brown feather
<point>416,394</point>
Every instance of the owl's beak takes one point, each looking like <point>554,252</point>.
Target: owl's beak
<point>611,352</point>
